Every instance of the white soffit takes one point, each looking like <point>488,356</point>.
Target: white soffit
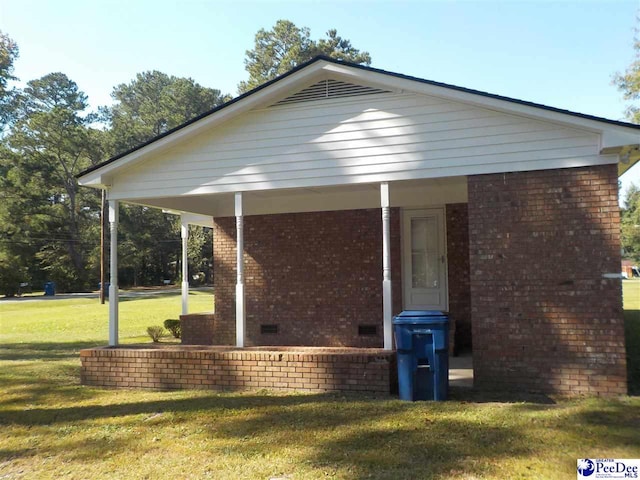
<point>412,193</point>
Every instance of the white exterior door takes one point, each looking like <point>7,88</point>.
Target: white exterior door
<point>424,264</point>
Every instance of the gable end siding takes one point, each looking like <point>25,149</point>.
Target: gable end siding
<point>356,140</point>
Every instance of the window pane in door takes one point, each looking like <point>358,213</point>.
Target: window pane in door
<point>419,233</point>
<point>418,270</point>
<point>425,267</point>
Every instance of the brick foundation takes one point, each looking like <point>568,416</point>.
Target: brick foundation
<point>227,368</point>
<point>544,317</point>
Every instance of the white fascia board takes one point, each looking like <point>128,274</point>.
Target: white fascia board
<point>264,97</point>
<point>93,179</point>
<point>619,137</point>
<point>391,82</point>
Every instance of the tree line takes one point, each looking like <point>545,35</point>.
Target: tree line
<point>628,82</point>
<point>49,226</point>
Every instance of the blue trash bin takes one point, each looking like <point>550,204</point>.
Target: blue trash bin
<point>49,289</point>
<point>106,288</point>
<point>422,344</point>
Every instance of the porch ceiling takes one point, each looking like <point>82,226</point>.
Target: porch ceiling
<point>416,193</point>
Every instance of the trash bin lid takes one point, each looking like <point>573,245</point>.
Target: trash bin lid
<point>421,316</point>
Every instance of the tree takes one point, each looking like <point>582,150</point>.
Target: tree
<point>335,46</point>
<point>46,216</point>
<point>150,105</point>
<point>12,270</point>
<point>285,46</point>
<point>14,247</point>
<point>149,246</point>
<point>629,82</point>
<point>8,55</point>
<point>154,103</point>
<point>200,252</point>
<point>630,224</point>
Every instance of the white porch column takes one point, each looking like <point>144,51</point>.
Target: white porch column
<point>113,269</point>
<point>387,326</point>
<point>240,302</point>
<point>184,230</point>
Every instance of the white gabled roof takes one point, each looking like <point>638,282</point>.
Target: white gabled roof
<point>616,138</point>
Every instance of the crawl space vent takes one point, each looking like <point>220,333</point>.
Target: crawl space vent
<point>268,329</point>
<point>329,89</point>
<point>367,330</point>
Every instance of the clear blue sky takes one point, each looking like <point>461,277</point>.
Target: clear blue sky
<point>556,53</point>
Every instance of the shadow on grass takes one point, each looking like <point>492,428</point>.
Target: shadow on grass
<point>343,436</point>
<point>465,394</point>
<point>35,373</point>
<point>632,339</point>
<point>446,447</point>
<point>84,450</point>
<point>624,414</point>
<point>335,435</point>
<point>615,424</point>
<point>45,350</point>
<point>38,372</point>
<point>207,403</point>
<point>354,436</point>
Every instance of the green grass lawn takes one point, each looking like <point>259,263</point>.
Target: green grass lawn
<point>51,427</point>
<point>85,321</point>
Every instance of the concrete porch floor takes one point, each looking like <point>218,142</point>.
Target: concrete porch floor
<point>461,371</point>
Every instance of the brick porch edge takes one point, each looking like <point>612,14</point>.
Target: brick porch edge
<point>227,368</point>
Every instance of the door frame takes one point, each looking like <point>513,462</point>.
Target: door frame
<point>405,257</point>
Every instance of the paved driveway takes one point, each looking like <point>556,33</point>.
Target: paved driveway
<point>123,294</point>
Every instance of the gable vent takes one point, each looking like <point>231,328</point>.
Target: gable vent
<point>329,89</point>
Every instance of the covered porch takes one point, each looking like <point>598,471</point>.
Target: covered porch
<point>304,279</point>
<point>314,266</point>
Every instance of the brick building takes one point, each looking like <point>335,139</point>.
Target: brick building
<point>341,195</point>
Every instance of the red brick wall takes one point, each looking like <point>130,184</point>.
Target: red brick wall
<point>544,318</point>
<point>226,368</point>
<point>458,270</point>
<point>315,275</point>
<point>197,329</point>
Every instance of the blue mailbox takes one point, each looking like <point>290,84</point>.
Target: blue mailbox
<point>422,344</point>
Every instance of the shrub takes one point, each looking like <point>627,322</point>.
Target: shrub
<point>156,333</point>
<point>173,326</point>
